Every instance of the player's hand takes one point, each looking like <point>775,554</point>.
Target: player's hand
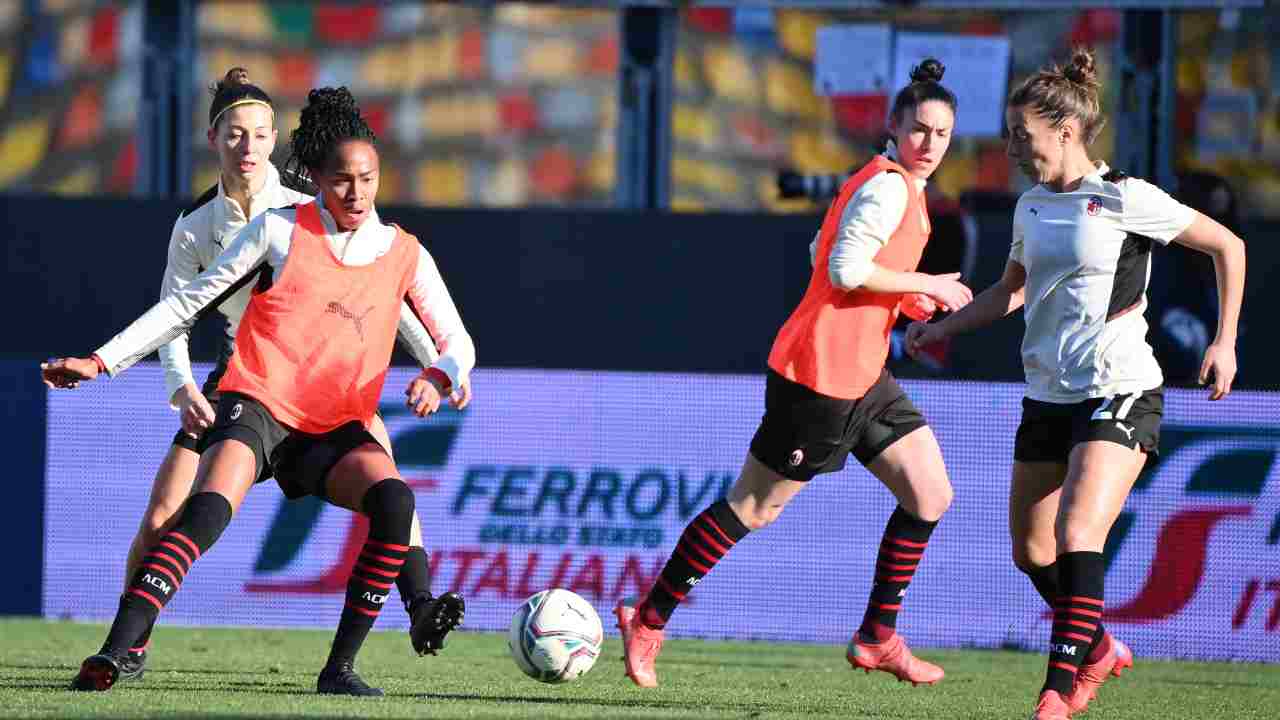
<point>921,335</point>
<point>918,306</point>
<point>948,291</point>
<point>424,394</point>
<point>67,373</point>
<point>194,409</point>
<point>462,396</point>
<point>1220,366</point>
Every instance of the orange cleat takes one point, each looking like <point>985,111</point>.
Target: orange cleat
<point>1051,707</point>
<point>640,644</point>
<point>894,657</point>
<point>1092,675</point>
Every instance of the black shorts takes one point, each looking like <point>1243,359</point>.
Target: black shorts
<point>1049,431</point>
<point>299,461</point>
<point>226,349</point>
<point>805,433</point>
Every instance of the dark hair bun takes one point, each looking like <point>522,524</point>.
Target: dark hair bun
<point>235,76</point>
<point>930,70</point>
<point>328,101</point>
<point>1081,69</point>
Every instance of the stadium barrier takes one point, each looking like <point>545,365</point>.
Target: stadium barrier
<point>585,480</point>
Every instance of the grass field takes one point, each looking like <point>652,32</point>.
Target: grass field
<point>218,673</point>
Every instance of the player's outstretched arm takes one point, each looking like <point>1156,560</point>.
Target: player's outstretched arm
<point>1227,250</point>
<point>1002,298</point>
<point>68,373</point>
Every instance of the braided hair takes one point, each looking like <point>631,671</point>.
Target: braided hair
<point>330,118</point>
<point>234,89</point>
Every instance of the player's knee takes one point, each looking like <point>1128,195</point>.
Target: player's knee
<point>390,503</point>
<point>1078,535</point>
<point>934,505</point>
<point>759,518</point>
<point>1029,555</point>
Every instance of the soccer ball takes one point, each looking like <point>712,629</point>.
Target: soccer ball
<point>555,636</point>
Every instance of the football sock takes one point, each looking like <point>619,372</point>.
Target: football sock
<point>903,544</point>
<point>1076,617</point>
<point>163,569</point>
<point>704,542</point>
<point>389,506</point>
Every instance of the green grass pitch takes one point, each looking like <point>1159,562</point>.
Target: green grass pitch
<point>238,673</point>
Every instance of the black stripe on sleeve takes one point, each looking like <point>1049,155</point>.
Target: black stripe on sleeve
<point>172,333</point>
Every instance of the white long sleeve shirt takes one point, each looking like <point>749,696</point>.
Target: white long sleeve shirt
<point>199,235</point>
<point>265,241</point>
<point>869,219</point>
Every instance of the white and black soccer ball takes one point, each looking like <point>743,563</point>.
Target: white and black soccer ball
<point>555,636</point>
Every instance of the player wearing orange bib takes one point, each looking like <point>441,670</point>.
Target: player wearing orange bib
<point>303,384</point>
<point>828,394</point>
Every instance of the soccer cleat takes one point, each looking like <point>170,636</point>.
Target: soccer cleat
<point>1092,675</point>
<point>1051,707</point>
<point>97,673</point>
<point>432,619</point>
<point>341,679</point>
<point>132,666</point>
<point>640,644</point>
<point>894,657</point>
<point>1124,656</point>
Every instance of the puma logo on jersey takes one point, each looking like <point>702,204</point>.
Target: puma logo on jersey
<point>336,308</point>
<point>1128,431</point>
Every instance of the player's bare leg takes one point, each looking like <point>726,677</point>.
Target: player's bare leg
<point>1099,478</point>
<point>913,470</point>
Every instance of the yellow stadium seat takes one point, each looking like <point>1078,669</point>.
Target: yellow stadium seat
<point>731,75</point>
<point>22,146</point>
<point>789,90</point>
<point>442,182</point>
<point>80,182</point>
<point>241,20</point>
<point>798,32</point>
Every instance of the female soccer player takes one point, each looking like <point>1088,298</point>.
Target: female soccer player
<point>1079,263</point>
<point>303,384</point>
<point>242,132</point>
<point>828,394</point>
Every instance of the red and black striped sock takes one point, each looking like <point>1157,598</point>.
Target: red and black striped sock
<point>1077,617</point>
<point>142,643</point>
<point>414,581</point>
<point>389,507</point>
<point>1046,581</point>
<point>703,544</point>
<point>162,570</point>
<point>905,538</point>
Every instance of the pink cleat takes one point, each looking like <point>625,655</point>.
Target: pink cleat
<point>1051,707</point>
<point>894,657</point>
<point>640,644</point>
<point>1092,675</point>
